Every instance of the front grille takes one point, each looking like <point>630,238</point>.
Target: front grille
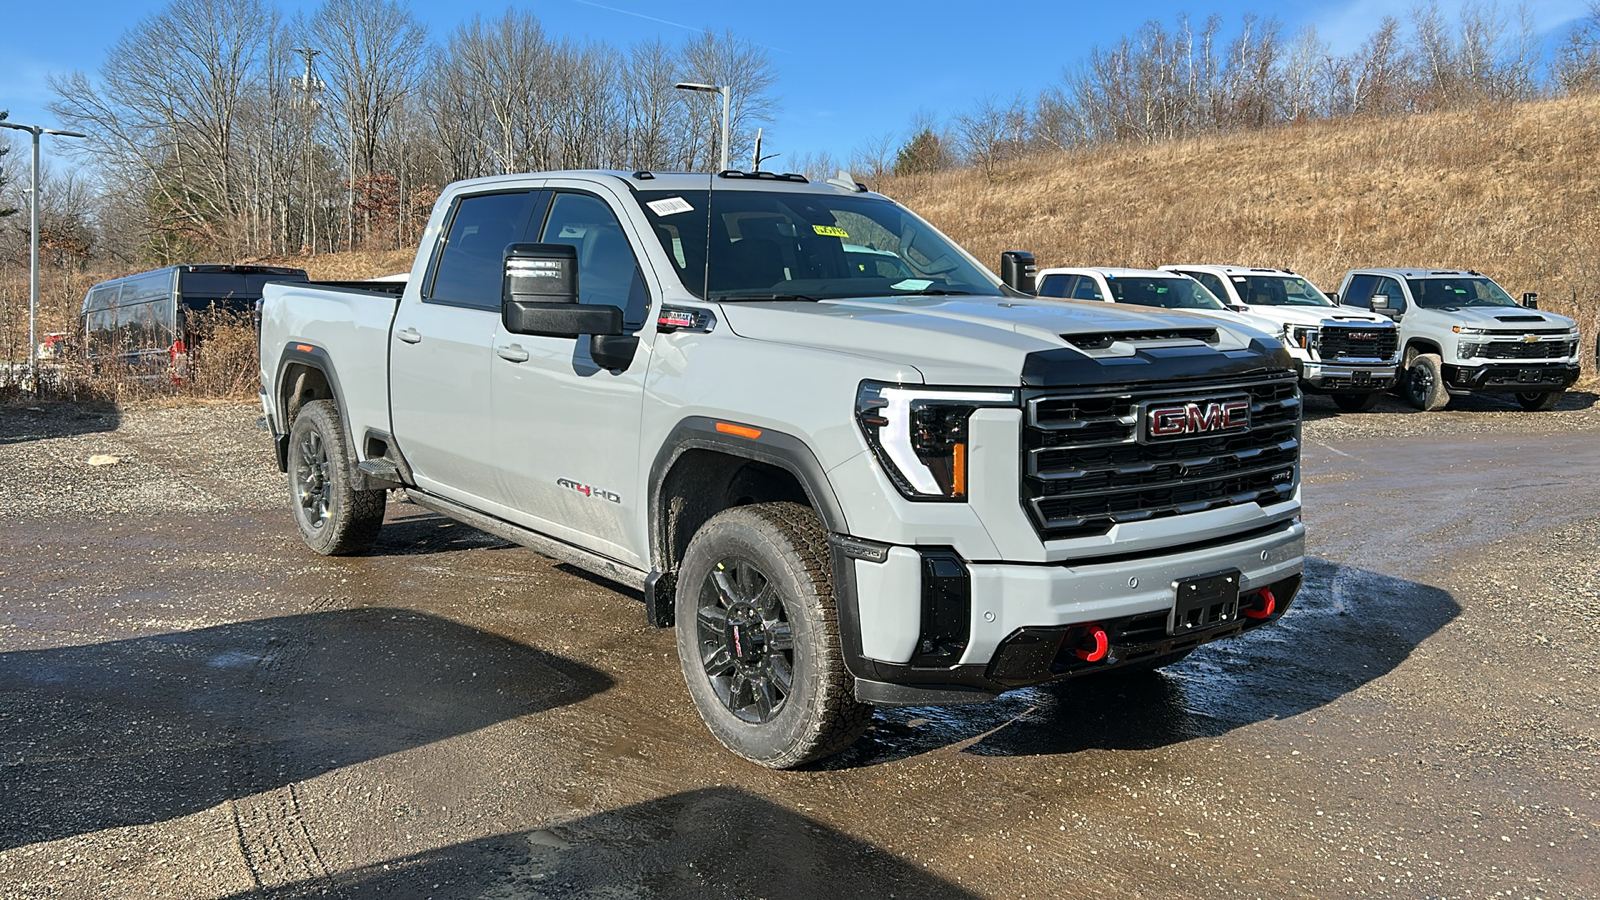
<point>1536,350</point>
<point>1340,342</point>
<point>1086,469</point>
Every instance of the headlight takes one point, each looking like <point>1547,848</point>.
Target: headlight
<point>920,434</point>
<point>1468,349</point>
<point>1302,336</point>
<point>1462,329</point>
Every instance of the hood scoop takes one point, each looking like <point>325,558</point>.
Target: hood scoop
<point>1104,339</point>
<point>1519,318</point>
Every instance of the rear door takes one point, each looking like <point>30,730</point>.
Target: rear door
<point>566,431</point>
<point>440,347</point>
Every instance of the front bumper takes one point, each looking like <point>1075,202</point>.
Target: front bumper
<point>1344,378</point>
<point>1017,614</point>
<point>1511,377</point>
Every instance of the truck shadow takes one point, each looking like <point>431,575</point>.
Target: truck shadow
<point>1347,628</point>
<point>149,729</point>
<point>709,843</point>
<point>39,421</point>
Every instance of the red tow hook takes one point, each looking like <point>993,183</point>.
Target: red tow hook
<point>1262,609</point>
<point>1101,645</point>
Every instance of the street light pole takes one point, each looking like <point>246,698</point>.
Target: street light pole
<point>727,108</point>
<point>33,247</point>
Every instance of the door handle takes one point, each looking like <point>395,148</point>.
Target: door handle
<point>513,353</point>
<point>409,335</point>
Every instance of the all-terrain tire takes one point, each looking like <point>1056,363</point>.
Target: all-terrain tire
<point>1539,401</point>
<point>1357,402</point>
<point>1423,382</point>
<point>334,518</point>
<point>758,637</point>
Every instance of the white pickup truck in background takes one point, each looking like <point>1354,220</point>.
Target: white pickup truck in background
<point>1349,353</point>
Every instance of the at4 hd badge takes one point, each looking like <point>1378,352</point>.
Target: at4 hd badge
<point>588,490</point>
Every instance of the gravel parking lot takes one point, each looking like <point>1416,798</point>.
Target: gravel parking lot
<point>194,705</point>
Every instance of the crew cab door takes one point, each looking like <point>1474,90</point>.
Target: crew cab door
<point>441,345</point>
<point>565,436</point>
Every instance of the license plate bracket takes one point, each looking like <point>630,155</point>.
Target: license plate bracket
<point>1361,379</point>
<point>1204,602</point>
<point>1530,376</point>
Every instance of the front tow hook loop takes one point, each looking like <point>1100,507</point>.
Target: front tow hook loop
<point>1264,608</point>
<point>1101,645</point>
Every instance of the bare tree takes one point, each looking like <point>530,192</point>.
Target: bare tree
<point>653,112</point>
<point>1576,69</point>
<point>725,59</point>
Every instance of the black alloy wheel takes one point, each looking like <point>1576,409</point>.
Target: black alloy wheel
<point>311,489</point>
<point>745,639</point>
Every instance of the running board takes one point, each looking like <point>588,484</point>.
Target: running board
<point>562,551</point>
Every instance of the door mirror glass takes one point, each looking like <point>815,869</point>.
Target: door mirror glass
<point>1380,302</point>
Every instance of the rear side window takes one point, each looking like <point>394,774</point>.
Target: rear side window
<point>1086,289</point>
<point>1212,283</point>
<point>1056,285</point>
<point>472,260</point>
<point>1391,289</point>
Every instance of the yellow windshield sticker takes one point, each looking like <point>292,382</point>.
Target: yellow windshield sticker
<point>830,231</point>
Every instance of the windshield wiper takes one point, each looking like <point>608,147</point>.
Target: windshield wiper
<point>739,298</point>
<point>933,292</point>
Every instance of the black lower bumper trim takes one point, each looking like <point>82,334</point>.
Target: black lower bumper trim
<point>1511,378</point>
<point>882,693</point>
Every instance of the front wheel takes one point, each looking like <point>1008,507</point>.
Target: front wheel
<point>1356,402</point>
<point>333,517</point>
<point>758,638</point>
<point>1539,401</point>
<point>1424,382</point>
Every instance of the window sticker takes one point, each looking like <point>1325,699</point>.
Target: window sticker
<point>912,284</point>
<point>574,231</point>
<point>830,231</point>
<point>670,206</point>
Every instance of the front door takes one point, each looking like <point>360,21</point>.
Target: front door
<point>566,431</point>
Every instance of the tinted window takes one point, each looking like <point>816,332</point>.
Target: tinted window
<point>1360,290</point>
<point>1056,285</point>
<point>1436,293</point>
<point>608,272</point>
<point>1212,283</point>
<point>472,261</point>
<point>1391,289</point>
<point>1087,289</point>
<point>1278,290</point>
<point>1176,292</point>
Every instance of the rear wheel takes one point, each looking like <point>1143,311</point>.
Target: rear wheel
<point>1424,382</point>
<point>758,638</point>
<point>1539,401</point>
<point>334,519</point>
<point>1356,402</point>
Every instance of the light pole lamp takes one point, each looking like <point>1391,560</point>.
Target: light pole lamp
<point>33,246</point>
<point>726,107</point>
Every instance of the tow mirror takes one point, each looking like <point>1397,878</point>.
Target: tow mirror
<point>1530,300</point>
<point>1018,270</point>
<point>539,294</point>
<point>1334,296</point>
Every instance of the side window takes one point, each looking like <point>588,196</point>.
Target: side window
<point>1360,290</point>
<point>1086,289</point>
<point>472,259</point>
<point>1056,285</point>
<point>608,272</point>
<point>1212,283</point>
<point>1391,289</point>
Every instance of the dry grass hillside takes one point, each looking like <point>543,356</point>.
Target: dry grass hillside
<point>1510,191</point>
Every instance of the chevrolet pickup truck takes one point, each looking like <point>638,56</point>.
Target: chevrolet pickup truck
<point>846,479</point>
<point>1460,333</point>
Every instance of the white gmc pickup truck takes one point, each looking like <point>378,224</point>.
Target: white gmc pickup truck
<point>851,465</point>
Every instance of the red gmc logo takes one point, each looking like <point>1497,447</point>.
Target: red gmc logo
<point>1196,418</point>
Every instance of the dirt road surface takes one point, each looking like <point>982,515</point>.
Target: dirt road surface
<point>194,705</point>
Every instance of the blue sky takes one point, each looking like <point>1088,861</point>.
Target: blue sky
<point>848,72</point>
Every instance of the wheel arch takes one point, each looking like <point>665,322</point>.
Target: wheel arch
<point>702,470</point>
<point>305,374</point>
<point>1418,346</point>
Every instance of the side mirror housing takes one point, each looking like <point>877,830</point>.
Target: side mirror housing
<point>539,294</point>
<point>1019,271</point>
<point>1530,300</point>
<point>1334,296</point>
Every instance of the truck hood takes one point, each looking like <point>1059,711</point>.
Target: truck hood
<point>1314,315</point>
<point>1500,318</point>
<point>989,340</point>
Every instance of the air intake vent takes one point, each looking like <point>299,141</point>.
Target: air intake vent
<point>1519,318</point>
<point>1105,339</point>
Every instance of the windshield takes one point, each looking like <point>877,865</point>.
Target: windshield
<point>780,244</point>
<point>1171,293</point>
<point>1278,290</point>
<point>1438,293</point>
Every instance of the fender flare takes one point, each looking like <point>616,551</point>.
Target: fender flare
<point>314,357</point>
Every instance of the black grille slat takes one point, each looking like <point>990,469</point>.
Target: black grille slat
<point>1086,469</point>
<point>1532,350</point>
<point>1339,342</point>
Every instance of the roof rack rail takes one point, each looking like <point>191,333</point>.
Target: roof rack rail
<point>770,176</point>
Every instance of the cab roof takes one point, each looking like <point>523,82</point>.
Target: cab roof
<point>1420,273</point>
<point>1235,270</point>
<point>645,180</point>
<point>1109,272</point>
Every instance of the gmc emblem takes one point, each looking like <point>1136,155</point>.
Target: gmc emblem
<point>1193,418</point>
<point>1363,336</point>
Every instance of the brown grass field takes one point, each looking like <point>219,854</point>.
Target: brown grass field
<point>1511,191</point>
